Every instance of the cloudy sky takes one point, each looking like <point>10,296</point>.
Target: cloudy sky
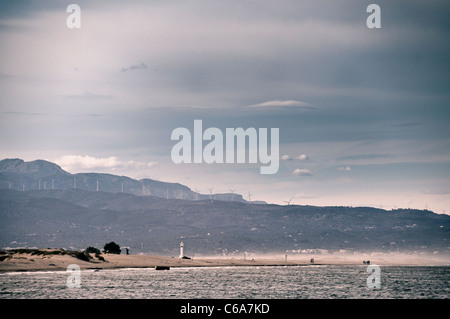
<point>363,114</point>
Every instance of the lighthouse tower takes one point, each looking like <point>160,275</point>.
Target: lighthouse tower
<point>181,250</point>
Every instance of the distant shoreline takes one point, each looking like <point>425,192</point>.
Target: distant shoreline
<point>59,259</point>
<point>54,260</point>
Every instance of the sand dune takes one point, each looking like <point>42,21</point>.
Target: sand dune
<point>30,262</point>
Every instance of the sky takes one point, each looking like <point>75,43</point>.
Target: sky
<point>363,114</point>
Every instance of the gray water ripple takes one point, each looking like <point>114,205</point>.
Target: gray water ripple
<point>318,282</point>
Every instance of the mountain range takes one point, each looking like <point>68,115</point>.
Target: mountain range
<point>142,217</point>
<point>39,174</point>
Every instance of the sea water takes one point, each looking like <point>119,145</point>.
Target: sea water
<point>268,282</point>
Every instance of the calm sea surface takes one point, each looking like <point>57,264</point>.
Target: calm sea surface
<point>233,282</point>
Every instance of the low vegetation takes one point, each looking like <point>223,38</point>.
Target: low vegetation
<point>112,248</point>
<point>97,253</point>
<point>82,255</point>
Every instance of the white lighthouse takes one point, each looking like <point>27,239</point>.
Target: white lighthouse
<point>181,250</point>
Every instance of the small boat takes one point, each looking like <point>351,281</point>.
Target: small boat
<point>162,268</point>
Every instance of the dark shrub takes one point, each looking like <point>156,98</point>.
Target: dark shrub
<point>112,248</point>
<point>82,256</point>
<point>92,250</point>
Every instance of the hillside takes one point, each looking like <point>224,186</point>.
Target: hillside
<point>40,175</point>
<point>76,219</point>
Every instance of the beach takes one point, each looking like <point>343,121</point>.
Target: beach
<point>42,262</point>
<point>58,259</point>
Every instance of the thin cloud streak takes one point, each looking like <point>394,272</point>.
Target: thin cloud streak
<point>302,172</point>
<point>282,103</point>
<point>86,163</point>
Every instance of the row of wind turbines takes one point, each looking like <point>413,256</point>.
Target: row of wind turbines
<point>232,190</point>
<point>147,191</point>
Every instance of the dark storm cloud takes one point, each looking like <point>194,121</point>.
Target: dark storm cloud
<point>314,51</point>
<point>26,8</point>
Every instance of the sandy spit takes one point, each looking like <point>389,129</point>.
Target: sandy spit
<point>28,262</point>
<point>32,262</point>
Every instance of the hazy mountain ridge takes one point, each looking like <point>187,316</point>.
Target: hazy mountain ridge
<point>75,218</point>
<point>40,174</point>
<point>41,205</point>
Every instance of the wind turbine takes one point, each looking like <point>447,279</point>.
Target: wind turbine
<point>196,193</point>
<point>232,193</point>
<point>288,202</point>
<point>210,193</point>
<point>249,197</point>
<point>146,190</point>
<point>97,184</point>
